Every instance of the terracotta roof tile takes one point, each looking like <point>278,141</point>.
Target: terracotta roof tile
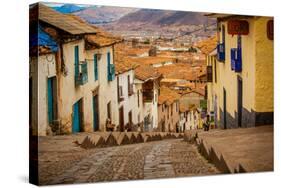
<point>208,45</point>
<point>124,66</point>
<point>167,96</point>
<point>101,40</point>
<point>183,107</point>
<point>145,72</point>
<point>63,21</point>
<point>150,60</point>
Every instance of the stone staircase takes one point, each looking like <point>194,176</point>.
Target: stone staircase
<point>109,139</point>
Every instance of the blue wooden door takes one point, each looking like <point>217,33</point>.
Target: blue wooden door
<point>50,100</point>
<point>95,113</point>
<point>76,118</point>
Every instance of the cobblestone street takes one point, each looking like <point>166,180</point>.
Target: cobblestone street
<point>158,159</point>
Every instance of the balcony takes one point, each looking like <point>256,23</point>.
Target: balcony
<point>236,59</point>
<point>147,95</point>
<point>221,52</point>
<point>81,73</point>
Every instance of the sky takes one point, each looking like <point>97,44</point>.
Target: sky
<point>60,4</point>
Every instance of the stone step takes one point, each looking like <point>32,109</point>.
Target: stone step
<point>108,139</point>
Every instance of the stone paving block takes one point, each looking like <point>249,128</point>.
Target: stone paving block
<point>166,135</point>
<point>98,140</point>
<point>218,161</point>
<point>146,136</point>
<point>104,135</point>
<point>158,136</point>
<point>111,140</point>
<point>139,138</point>
<point>87,143</point>
<point>133,138</point>
<point>123,139</point>
<point>169,136</point>
<point>162,135</point>
<point>173,135</point>
<point>152,136</point>
<point>181,135</point>
<point>149,137</point>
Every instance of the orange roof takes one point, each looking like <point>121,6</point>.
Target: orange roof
<point>150,60</point>
<point>124,66</point>
<point>63,21</point>
<point>186,85</point>
<point>101,40</point>
<point>196,90</point>
<point>183,107</point>
<point>167,95</point>
<point>208,45</point>
<point>181,71</point>
<point>145,72</point>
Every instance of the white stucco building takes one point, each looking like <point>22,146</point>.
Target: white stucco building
<point>129,98</point>
<point>147,81</point>
<point>75,85</point>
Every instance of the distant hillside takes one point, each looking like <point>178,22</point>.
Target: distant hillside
<point>68,8</point>
<point>147,17</point>
<point>103,14</point>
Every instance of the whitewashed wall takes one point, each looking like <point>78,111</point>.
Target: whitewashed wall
<point>129,103</point>
<point>41,69</point>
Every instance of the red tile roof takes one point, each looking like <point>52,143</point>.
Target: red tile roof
<point>145,72</point>
<point>63,21</point>
<point>167,96</point>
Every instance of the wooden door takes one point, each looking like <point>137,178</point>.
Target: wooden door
<point>239,100</point>
<point>50,88</point>
<point>76,118</point>
<point>121,118</point>
<point>95,113</point>
<point>224,109</point>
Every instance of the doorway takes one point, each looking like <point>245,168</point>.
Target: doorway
<point>77,117</point>
<point>239,100</point>
<point>121,118</point>
<point>30,102</point>
<point>51,85</point>
<point>224,109</point>
<point>95,113</point>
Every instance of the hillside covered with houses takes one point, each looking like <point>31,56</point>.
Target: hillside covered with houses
<point>91,80</point>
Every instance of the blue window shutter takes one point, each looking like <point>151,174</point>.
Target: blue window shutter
<point>96,67</point>
<point>76,61</point>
